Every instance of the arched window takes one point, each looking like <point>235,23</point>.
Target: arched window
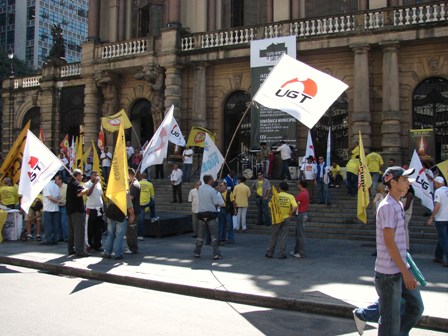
<point>430,110</point>
<point>32,114</point>
<point>142,122</point>
<point>234,108</point>
<point>335,118</point>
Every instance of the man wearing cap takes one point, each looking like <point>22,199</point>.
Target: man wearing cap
<point>394,282</point>
<point>262,189</point>
<point>440,216</point>
<point>309,172</point>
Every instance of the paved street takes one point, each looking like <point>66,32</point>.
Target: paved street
<point>336,276</point>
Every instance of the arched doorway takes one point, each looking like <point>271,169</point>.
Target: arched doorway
<point>32,114</point>
<point>335,118</point>
<point>234,107</point>
<point>430,110</point>
<point>141,119</point>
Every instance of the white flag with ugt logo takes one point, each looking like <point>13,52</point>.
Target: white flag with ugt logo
<point>39,165</point>
<point>157,148</point>
<point>299,90</point>
<point>422,187</point>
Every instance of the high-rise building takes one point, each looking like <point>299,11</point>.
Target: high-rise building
<point>25,28</point>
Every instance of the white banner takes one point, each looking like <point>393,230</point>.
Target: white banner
<point>157,148</point>
<point>212,160</point>
<point>299,90</point>
<point>423,189</point>
<point>39,165</point>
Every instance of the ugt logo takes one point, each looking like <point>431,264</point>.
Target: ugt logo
<point>298,89</point>
<point>35,168</point>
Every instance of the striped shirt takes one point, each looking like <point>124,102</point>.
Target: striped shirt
<point>390,214</point>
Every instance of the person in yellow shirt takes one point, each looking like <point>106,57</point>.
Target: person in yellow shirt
<point>336,176</point>
<point>242,194</point>
<point>374,163</point>
<point>8,194</point>
<point>288,208</point>
<point>34,214</point>
<point>352,168</point>
<point>147,200</point>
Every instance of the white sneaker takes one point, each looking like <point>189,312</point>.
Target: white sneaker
<point>297,255</point>
<point>360,324</point>
<point>127,251</point>
<point>140,238</point>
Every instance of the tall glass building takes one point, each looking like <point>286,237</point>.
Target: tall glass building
<point>25,28</point>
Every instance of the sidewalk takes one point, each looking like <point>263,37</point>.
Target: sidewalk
<point>336,276</point>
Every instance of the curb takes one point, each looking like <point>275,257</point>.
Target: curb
<point>304,306</point>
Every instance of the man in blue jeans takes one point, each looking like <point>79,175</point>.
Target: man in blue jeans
<point>394,282</point>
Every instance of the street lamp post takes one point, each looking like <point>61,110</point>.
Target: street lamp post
<point>11,98</point>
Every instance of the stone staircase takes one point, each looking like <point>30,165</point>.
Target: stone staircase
<point>337,221</point>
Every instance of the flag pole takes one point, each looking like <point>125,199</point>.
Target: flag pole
<point>233,136</point>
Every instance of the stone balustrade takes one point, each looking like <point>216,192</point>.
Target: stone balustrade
<point>27,82</point>
<point>70,70</point>
<point>123,48</point>
<point>370,20</point>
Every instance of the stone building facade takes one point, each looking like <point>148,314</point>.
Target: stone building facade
<point>146,55</point>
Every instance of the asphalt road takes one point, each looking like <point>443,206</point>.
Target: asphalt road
<point>34,303</point>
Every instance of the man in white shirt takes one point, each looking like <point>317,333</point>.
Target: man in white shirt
<point>176,182</point>
<point>187,156</point>
<point>309,172</point>
<point>129,152</point>
<point>94,212</point>
<point>51,198</point>
<point>194,200</point>
<point>285,154</point>
<point>106,158</point>
<point>440,215</point>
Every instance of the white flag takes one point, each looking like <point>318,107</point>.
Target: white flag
<point>212,159</point>
<point>328,159</point>
<point>299,90</point>
<point>309,149</point>
<point>422,187</point>
<point>39,165</point>
<point>157,148</point>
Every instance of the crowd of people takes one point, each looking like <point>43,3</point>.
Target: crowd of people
<point>71,209</point>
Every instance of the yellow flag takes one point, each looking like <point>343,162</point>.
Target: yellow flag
<point>364,183</point>
<point>118,184</point>
<point>112,123</point>
<point>443,167</point>
<point>197,136</point>
<point>274,206</point>
<point>96,165</point>
<point>79,157</point>
<point>13,162</point>
<point>86,154</point>
<point>3,216</point>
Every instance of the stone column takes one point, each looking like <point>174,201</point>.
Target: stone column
<point>199,95</point>
<point>128,31</point>
<point>391,126</point>
<point>113,20</point>
<point>211,15</point>
<point>48,105</point>
<point>174,13</point>
<point>173,83</point>
<point>94,20</point>
<point>295,9</point>
<point>91,111</point>
<point>121,20</point>
<point>269,11</point>
<point>361,117</point>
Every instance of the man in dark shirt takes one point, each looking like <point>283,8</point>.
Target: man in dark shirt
<point>134,192</point>
<point>75,215</point>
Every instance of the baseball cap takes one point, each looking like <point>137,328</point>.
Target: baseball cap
<point>395,172</point>
<point>439,179</point>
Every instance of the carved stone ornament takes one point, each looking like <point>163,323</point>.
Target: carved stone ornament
<point>433,65</point>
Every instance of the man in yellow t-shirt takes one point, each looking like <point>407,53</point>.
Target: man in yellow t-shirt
<point>352,168</point>
<point>374,163</point>
<point>147,200</point>
<point>336,176</point>
<point>288,208</point>
<point>8,194</point>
